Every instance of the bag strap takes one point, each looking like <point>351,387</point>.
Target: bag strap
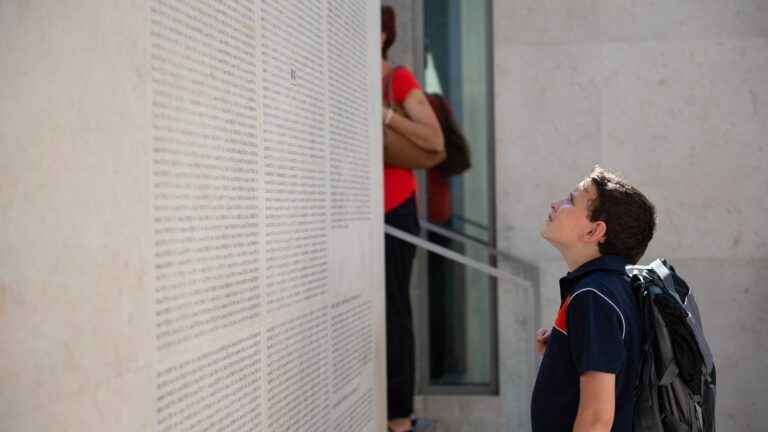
<point>439,108</point>
<point>670,372</point>
<point>388,88</point>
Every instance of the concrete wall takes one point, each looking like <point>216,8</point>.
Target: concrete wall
<point>675,96</point>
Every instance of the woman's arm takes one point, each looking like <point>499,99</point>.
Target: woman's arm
<point>402,152</point>
<point>419,125</point>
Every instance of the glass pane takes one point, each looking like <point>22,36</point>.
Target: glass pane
<point>461,307</point>
<point>460,340</point>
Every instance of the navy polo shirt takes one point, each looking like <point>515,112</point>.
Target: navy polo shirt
<point>596,329</point>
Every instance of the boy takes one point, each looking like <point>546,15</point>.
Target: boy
<point>591,354</point>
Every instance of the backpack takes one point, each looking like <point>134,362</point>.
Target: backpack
<point>675,391</point>
<point>457,156</point>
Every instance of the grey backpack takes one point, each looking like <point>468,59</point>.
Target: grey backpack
<point>676,387</point>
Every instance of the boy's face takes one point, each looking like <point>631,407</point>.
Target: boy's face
<point>568,223</point>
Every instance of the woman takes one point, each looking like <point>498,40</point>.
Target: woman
<point>412,139</point>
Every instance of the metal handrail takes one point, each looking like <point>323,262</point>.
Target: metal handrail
<point>464,238</point>
<point>455,256</point>
<point>530,271</point>
<point>469,222</point>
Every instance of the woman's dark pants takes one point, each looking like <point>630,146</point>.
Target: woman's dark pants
<point>401,362</point>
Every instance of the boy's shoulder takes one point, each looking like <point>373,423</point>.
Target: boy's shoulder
<point>601,285</point>
<point>607,281</point>
<point>607,286</point>
<point>604,281</point>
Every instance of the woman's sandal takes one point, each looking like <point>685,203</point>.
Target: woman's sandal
<point>418,424</point>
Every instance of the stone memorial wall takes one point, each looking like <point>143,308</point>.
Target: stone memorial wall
<point>190,216</point>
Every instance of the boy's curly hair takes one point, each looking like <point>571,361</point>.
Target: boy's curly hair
<point>629,216</point>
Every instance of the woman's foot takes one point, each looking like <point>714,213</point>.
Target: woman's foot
<point>421,424</point>
<point>400,424</point>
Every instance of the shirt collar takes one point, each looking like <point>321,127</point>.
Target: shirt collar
<point>605,262</point>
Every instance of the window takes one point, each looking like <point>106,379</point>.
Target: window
<point>460,304</point>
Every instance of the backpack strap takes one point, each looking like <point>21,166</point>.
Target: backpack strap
<point>670,372</point>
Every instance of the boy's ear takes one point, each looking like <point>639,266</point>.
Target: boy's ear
<point>597,233</point>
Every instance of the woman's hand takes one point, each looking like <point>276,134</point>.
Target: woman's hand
<point>386,115</point>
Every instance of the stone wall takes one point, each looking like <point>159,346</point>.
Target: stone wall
<point>191,216</point>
